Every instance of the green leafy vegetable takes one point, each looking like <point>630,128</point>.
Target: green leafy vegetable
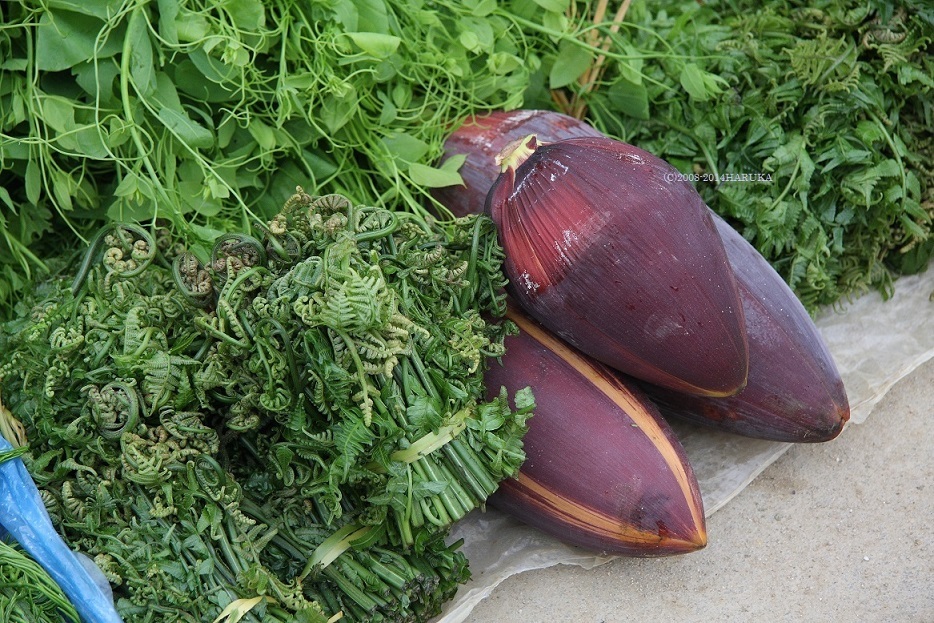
<point>281,429</point>
<point>829,102</point>
<point>207,114</point>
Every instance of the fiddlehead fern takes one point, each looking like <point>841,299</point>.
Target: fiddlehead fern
<point>129,250</point>
<point>193,280</point>
<point>115,407</point>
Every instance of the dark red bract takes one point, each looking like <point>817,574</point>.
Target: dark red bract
<point>610,248</point>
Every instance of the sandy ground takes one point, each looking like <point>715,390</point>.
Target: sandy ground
<point>842,531</point>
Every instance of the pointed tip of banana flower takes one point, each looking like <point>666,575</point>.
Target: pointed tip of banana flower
<point>603,471</point>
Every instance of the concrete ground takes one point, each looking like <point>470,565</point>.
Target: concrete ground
<point>842,531</point>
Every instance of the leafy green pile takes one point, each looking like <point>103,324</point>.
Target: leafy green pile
<point>208,113</point>
<point>287,427</point>
<point>827,102</point>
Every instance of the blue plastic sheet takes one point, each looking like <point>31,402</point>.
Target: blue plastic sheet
<point>23,516</point>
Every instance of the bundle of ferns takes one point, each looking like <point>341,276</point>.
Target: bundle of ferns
<point>282,430</point>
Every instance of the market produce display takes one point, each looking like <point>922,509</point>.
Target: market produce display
<point>209,114</point>
<point>827,103</point>
<point>216,111</point>
<point>566,195</point>
<point>255,347</point>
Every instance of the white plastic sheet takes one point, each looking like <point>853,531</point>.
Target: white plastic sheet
<point>875,343</point>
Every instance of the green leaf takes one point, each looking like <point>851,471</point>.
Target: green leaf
<point>64,39</point>
<point>345,13</point>
<point>480,8</point>
<point>336,110</point>
<point>630,68</point>
<point>264,135</point>
<point>213,69</point>
<point>693,82</point>
<point>127,186</point>
<point>389,113</point>
<point>191,79</point>
<point>33,181</point>
<point>210,517</point>
<point>62,189</point>
<point>97,80</point>
<point>15,64</point>
<point>375,44</point>
<point>572,61</point>
<point>886,168</point>
<point>166,94</point>
<point>630,98</point>
<point>351,436</point>
<point>190,27</point>
<point>424,413</point>
<point>102,9</point>
<point>142,70</point>
<point>320,164</point>
<point>426,488</point>
<point>6,198</point>
<point>557,22</point>
<point>454,163</point>
<point>89,140</point>
<point>405,147</point>
<point>168,21</point>
<point>248,15</point>
<point>58,113</point>
<point>209,234</point>
<point>908,74</point>
<point>555,6</point>
<point>470,41</point>
<point>869,132</point>
<point>478,34</point>
<point>433,177</point>
<point>401,95</point>
<point>185,129</point>
<point>700,85</point>
<point>124,209</point>
<point>372,16</point>
<point>503,63</point>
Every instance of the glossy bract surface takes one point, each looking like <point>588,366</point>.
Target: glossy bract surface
<point>603,469</point>
<point>794,392</point>
<point>482,138</point>
<point>610,248</point>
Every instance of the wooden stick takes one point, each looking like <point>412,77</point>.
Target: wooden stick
<point>592,75</point>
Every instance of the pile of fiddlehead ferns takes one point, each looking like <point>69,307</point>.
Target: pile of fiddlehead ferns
<point>286,428</point>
